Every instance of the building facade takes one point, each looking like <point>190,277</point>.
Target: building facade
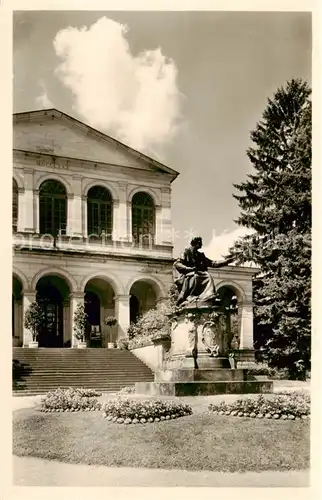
<point>92,225</point>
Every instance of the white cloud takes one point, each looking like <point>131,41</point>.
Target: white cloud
<point>43,100</point>
<point>220,244</point>
<point>135,98</point>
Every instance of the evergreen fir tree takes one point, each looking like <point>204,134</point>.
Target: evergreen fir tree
<point>275,203</point>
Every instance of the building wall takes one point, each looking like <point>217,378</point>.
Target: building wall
<point>47,148</point>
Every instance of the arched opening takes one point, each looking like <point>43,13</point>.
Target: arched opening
<point>144,296</point>
<point>143,219</point>
<point>99,212</point>
<point>52,208</point>
<point>229,305</point>
<point>17,311</point>
<point>99,304</point>
<point>15,205</point>
<point>52,294</point>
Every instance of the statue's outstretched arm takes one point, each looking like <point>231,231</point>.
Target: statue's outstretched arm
<point>221,263</point>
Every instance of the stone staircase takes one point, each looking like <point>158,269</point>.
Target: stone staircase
<point>36,371</point>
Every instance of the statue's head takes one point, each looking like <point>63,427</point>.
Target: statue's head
<point>196,242</point>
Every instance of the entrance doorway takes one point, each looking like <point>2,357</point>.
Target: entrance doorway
<point>134,309</point>
<point>51,292</point>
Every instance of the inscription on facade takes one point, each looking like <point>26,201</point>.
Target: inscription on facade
<point>50,163</point>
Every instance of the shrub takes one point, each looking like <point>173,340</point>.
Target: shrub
<point>71,400</point>
<point>128,390</point>
<point>80,322</point>
<point>145,411</point>
<point>270,372</point>
<point>34,317</point>
<point>152,322</point>
<point>122,344</point>
<point>285,405</point>
<point>140,341</point>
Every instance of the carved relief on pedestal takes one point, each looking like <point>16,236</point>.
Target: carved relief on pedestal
<point>213,334</point>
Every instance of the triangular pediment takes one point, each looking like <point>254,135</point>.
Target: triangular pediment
<point>55,133</point>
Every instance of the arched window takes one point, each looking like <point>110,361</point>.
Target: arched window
<point>99,212</point>
<point>52,208</point>
<point>15,206</point>
<point>143,218</point>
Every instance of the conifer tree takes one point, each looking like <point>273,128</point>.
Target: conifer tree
<point>275,202</point>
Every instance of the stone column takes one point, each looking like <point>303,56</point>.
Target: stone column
<point>21,210</point>
<point>246,353</point>
<point>158,225</point>
<point>120,215</point>
<point>84,216</point>
<point>28,298</point>
<point>76,229</point>
<point>36,211</point>
<point>246,325</point>
<point>129,220</point>
<point>28,205</point>
<point>122,314</point>
<point>75,299</point>
<point>166,225</point>
<point>70,215</point>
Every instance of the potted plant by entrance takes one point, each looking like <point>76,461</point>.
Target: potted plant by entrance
<point>80,323</point>
<point>110,321</point>
<point>34,317</point>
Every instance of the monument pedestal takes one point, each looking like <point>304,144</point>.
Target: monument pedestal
<point>198,359</point>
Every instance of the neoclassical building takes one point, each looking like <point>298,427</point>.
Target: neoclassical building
<point>92,225</point>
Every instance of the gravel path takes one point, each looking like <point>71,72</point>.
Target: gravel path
<point>38,472</point>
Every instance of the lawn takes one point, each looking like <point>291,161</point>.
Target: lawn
<point>196,442</point>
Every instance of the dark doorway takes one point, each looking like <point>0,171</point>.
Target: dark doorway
<point>93,309</point>
<point>134,309</point>
<point>52,331</point>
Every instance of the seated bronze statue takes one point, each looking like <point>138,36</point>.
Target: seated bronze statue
<point>193,281</point>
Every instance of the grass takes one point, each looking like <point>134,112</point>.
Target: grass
<point>196,442</point>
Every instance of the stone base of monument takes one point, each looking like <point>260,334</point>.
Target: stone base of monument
<point>197,362</point>
<point>203,375</point>
<point>203,388</point>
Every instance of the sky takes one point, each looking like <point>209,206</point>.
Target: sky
<point>185,88</point>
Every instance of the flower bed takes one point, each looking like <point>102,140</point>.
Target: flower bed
<point>70,400</point>
<point>290,406</point>
<point>130,411</point>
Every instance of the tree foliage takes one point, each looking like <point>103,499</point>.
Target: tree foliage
<point>275,202</point>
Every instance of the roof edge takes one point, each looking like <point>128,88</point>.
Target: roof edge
<point>102,135</point>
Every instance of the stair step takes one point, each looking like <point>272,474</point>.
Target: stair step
<point>107,370</point>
